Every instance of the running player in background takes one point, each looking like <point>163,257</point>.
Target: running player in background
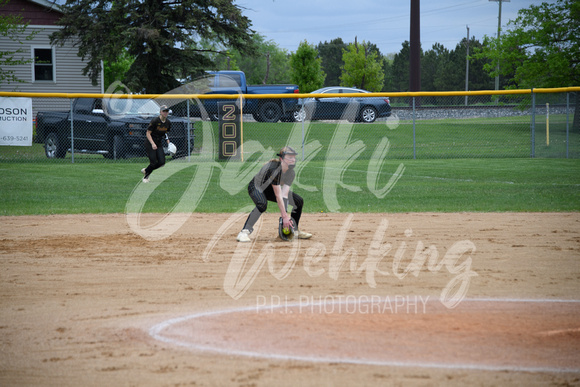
<point>272,184</point>
<point>156,132</point>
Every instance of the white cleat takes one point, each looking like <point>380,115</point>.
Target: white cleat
<point>244,236</point>
<point>302,235</point>
<point>145,177</point>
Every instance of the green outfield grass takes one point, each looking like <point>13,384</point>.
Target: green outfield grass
<point>445,185</point>
<point>501,137</point>
<point>460,165</point>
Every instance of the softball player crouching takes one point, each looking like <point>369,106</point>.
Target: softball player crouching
<point>272,184</point>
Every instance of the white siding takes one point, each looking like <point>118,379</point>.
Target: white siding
<point>68,69</point>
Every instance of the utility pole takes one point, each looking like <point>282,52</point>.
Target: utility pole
<point>467,66</point>
<point>415,48</point>
<point>498,36</point>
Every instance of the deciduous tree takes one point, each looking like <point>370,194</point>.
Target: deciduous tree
<point>306,68</point>
<point>256,67</point>
<point>541,48</point>
<point>114,71</point>
<point>362,68</point>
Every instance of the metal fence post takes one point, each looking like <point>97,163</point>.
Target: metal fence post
<point>72,133</point>
<point>303,139</point>
<point>188,133</point>
<point>414,142</point>
<point>567,122</point>
<point>533,153</point>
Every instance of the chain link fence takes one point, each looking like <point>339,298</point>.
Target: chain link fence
<point>333,126</point>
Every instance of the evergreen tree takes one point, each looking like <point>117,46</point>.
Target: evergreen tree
<point>400,68</point>
<point>457,60</point>
<point>444,72</point>
<point>479,79</point>
<point>429,69</point>
<point>388,71</point>
<point>331,55</point>
<point>162,36</point>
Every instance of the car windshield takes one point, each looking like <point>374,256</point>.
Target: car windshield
<point>336,90</point>
<point>354,91</point>
<point>118,106</point>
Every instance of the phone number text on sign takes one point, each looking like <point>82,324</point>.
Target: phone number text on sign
<point>15,121</point>
<point>15,138</point>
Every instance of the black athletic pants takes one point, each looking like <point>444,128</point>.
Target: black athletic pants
<point>261,200</point>
<point>156,157</point>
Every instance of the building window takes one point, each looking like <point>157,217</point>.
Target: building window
<point>43,64</point>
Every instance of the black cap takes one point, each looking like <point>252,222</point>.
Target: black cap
<point>163,108</point>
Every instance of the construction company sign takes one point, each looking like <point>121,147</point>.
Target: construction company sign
<point>15,121</point>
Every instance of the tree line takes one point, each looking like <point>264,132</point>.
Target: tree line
<point>337,63</point>
<point>154,46</point>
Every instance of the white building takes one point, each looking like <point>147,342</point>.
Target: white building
<point>52,69</point>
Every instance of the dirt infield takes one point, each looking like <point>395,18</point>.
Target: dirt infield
<point>372,299</point>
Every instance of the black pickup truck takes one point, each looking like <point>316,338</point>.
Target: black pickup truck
<point>115,128</point>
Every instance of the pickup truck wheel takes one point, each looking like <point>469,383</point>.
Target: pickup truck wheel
<point>368,114</point>
<point>270,112</point>
<point>53,147</point>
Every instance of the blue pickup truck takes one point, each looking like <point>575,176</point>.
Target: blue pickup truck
<point>234,82</point>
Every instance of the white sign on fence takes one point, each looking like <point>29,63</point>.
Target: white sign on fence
<point>15,121</point>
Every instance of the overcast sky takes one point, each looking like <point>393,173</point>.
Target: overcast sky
<point>382,22</point>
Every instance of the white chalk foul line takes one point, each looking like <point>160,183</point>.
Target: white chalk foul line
<point>156,333</point>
